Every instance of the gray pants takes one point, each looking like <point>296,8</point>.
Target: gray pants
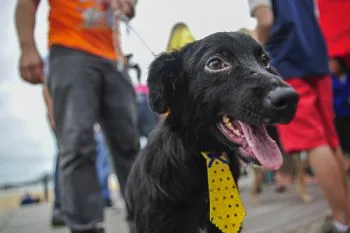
<point>88,89</point>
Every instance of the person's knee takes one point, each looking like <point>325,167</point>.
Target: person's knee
<point>78,144</point>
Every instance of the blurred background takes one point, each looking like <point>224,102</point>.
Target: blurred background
<point>26,145</point>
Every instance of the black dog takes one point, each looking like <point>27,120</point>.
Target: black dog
<point>220,92</point>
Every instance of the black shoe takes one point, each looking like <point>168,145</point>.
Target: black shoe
<point>96,230</point>
<point>57,218</point>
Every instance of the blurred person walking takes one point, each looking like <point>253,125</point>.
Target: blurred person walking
<point>102,161</point>
<point>341,104</point>
<point>290,32</point>
<point>56,217</point>
<point>86,88</point>
<point>335,24</point>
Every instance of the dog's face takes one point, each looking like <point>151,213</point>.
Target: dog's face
<point>223,88</point>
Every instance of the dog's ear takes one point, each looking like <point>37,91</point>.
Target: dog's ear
<point>163,74</point>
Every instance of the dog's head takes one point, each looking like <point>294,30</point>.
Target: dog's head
<point>222,88</point>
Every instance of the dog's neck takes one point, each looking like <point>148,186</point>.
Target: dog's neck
<point>174,153</point>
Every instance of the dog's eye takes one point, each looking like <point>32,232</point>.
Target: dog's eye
<point>215,63</point>
<point>265,61</point>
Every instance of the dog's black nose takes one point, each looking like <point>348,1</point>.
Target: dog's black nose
<point>281,99</point>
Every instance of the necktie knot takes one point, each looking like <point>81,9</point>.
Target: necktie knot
<point>216,158</point>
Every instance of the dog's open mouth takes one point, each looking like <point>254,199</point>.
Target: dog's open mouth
<point>253,141</point>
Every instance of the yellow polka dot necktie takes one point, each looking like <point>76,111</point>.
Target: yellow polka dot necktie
<point>226,209</point>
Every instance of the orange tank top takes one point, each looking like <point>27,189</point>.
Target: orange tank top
<point>83,25</point>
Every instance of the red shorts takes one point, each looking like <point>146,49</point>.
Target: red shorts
<point>313,124</point>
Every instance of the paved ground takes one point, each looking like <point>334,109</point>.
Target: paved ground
<point>278,213</point>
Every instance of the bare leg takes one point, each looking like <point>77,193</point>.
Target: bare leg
<point>343,164</point>
<point>347,162</point>
<point>330,177</point>
<point>301,165</point>
<point>259,177</point>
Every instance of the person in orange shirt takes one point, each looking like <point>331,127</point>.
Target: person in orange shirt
<point>86,88</point>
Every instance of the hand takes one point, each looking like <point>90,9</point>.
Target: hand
<point>31,66</point>
<point>125,6</point>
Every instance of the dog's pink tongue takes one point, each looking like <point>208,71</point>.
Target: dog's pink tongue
<point>264,149</point>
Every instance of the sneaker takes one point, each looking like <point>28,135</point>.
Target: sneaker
<point>328,227</point>
<point>57,218</point>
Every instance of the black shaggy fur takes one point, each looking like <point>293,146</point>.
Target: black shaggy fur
<point>167,188</point>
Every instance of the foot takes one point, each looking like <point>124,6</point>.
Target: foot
<point>255,200</point>
<point>57,218</point>
<point>303,194</point>
<point>306,197</point>
<point>328,227</point>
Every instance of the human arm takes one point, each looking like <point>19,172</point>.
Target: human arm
<point>317,10</point>
<point>30,63</point>
<point>262,11</point>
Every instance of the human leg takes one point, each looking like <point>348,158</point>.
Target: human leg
<point>56,217</point>
<point>74,83</point>
<point>301,164</point>
<point>342,124</point>
<point>102,165</point>
<point>307,131</point>
<point>326,112</point>
<point>328,172</point>
<point>119,121</point>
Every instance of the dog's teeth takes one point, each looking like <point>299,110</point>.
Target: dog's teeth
<point>225,119</point>
<point>229,125</point>
<point>236,131</point>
